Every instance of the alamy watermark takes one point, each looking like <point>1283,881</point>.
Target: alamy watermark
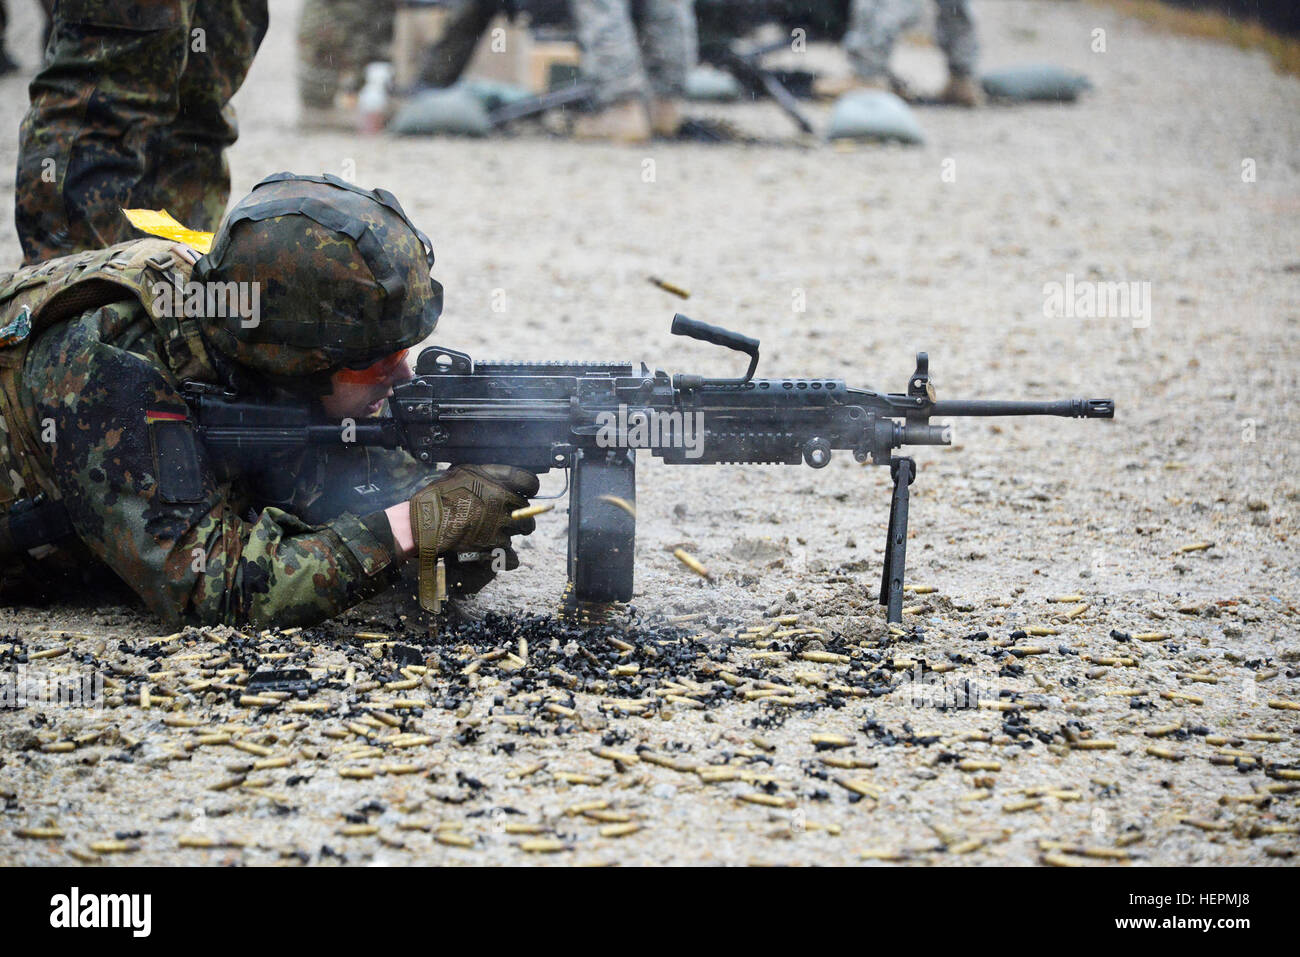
<point>218,300</point>
<point>76,910</point>
<point>1090,299</point>
<point>21,688</point>
<point>926,689</point>
<point>651,429</point>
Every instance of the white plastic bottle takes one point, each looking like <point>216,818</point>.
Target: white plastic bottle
<point>372,102</point>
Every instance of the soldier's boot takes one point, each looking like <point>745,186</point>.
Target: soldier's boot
<point>962,90</point>
<point>627,121</point>
<point>665,117</point>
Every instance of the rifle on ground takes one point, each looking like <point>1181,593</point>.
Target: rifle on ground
<point>755,79</point>
<point>589,418</point>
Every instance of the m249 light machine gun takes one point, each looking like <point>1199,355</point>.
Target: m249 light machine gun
<point>590,419</point>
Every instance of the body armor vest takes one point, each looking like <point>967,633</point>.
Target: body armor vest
<point>37,297</point>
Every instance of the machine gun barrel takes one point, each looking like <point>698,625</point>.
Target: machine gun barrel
<point>1069,408</point>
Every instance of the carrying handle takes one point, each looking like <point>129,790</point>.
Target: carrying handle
<point>694,329</point>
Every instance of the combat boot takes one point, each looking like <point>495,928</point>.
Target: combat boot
<point>962,90</point>
<point>627,121</point>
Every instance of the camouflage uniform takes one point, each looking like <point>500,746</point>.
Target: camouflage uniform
<point>644,49</point>
<point>131,109</point>
<point>874,25</point>
<point>93,415</point>
<point>336,39</point>
<point>297,542</point>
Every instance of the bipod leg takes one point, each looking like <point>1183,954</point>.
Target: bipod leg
<point>903,471</point>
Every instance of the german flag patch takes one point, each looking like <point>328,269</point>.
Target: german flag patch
<point>175,456</point>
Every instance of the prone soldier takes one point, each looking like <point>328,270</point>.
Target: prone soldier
<point>313,288</point>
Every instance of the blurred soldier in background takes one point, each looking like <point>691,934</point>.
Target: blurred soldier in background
<point>336,39</point>
<point>874,25</point>
<point>639,55</point>
<point>637,52</point>
<point>6,64</point>
<point>131,109</point>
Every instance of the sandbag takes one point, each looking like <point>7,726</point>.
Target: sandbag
<point>1039,81</point>
<point>706,83</point>
<point>494,94</point>
<point>451,110</point>
<point>873,114</point>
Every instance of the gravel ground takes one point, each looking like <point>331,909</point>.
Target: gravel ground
<point>1150,719</point>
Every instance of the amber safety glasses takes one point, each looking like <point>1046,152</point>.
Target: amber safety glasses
<point>376,373</point>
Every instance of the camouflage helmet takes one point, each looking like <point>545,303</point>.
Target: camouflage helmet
<point>343,277</point>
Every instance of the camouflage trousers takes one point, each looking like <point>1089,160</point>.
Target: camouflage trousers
<point>874,25</point>
<point>643,49</point>
<point>131,109</point>
<point>336,39</point>
<point>467,21</point>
